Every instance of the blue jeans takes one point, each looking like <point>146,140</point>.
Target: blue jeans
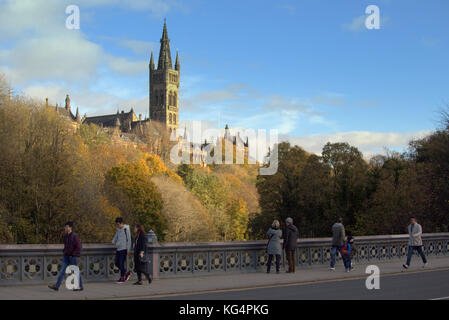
<point>67,261</point>
<point>120,258</point>
<point>411,249</point>
<point>346,261</point>
<point>333,254</point>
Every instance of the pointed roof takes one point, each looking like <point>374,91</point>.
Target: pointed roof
<point>151,61</point>
<point>177,65</point>
<point>164,53</point>
<point>78,118</point>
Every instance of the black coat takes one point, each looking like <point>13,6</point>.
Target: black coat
<point>290,237</point>
<point>139,246</point>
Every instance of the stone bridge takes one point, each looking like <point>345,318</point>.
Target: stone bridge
<point>36,264</point>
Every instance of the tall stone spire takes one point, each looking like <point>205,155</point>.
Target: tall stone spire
<point>151,61</point>
<point>164,54</point>
<point>78,118</point>
<point>177,65</point>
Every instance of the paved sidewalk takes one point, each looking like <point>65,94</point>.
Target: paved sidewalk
<point>162,287</point>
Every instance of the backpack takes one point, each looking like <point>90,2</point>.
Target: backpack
<point>345,249</point>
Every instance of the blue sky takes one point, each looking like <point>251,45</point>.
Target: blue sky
<point>307,68</point>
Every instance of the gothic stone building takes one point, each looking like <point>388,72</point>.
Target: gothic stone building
<point>164,95</point>
<point>163,101</point>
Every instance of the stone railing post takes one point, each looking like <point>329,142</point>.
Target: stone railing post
<point>152,254</point>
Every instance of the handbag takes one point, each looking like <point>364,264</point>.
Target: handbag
<point>143,259</point>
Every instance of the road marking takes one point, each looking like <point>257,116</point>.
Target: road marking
<point>194,293</point>
<point>443,298</point>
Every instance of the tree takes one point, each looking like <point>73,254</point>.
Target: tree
<point>238,216</point>
<point>349,173</point>
<point>132,180</point>
<point>187,219</point>
<point>279,193</point>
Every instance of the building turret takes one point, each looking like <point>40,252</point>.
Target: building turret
<point>78,118</point>
<point>67,103</point>
<point>164,86</point>
<point>177,65</point>
<point>151,61</point>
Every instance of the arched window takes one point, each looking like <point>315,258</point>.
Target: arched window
<point>175,102</point>
<point>174,118</point>
<point>170,119</point>
<point>156,97</point>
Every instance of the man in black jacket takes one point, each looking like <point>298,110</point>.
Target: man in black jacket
<point>72,251</point>
<point>289,245</point>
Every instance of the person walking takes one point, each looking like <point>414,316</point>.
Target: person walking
<point>72,251</point>
<point>274,248</point>
<point>122,241</point>
<point>290,243</point>
<point>414,242</point>
<point>338,240</point>
<point>140,261</point>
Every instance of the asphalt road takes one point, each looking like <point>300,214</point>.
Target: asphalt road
<point>431,284</point>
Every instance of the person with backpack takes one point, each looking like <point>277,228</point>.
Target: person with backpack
<point>338,240</point>
<point>274,245</point>
<point>72,251</point>
<point>140,260</point>
<point>346,252</point>
<point>290,243</point>
<point>122,241</point>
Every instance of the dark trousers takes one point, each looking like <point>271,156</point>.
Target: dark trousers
<point>68,261</point>
<point>291,260</point>
<point>346,261</point>
<point>120,259</point>
<point>270,259</point>
<point>139,275</point>
<point>411,249</point>
<point>334,251</point>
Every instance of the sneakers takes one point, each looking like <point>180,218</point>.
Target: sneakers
<point>121,280</point>
<point>79,289</point>
<point>348,270</point>
<point>405,266</point>
<point>137,283</point>
<point>53,287</point>
<point>425,265</point>
<point>149,280</point>
<point>128,274</point>
<point>332,269</point>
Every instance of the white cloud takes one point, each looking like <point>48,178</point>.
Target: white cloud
<point>370,143</point>
<point>357,24</point>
